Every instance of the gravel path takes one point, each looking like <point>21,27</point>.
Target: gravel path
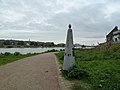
<point>32,73</point>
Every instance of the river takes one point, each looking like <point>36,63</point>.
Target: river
<point>27,50</point>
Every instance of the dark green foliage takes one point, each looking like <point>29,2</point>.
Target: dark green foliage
<point>75,72</point>
<point>20,43</point>
<point>7,53</point>
<point>53,50</point>
<point>17,53</point>
<point>61,49</point>
<point>7,42</point>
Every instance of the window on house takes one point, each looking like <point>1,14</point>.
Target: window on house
<point>119,37</point>
<point>115,39</point>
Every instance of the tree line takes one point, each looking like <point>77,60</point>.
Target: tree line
<point>19,43</point>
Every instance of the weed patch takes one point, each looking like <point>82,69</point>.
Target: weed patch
<point>75,72</point>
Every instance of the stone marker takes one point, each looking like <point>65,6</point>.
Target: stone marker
<point>69,60</point>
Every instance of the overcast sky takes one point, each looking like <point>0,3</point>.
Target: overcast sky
<point>47,20</point>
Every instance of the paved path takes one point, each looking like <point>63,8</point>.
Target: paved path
<point>32,73</point>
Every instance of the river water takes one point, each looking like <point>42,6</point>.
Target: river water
<point>27,50</point>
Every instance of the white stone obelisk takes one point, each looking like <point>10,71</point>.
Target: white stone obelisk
<point>69,60</point>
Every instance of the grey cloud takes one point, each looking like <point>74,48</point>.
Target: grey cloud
<point>48,19</point>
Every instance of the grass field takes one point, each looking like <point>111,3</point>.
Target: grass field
<point>8,57</point>
<point>103,65</point>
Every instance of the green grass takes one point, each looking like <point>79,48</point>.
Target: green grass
<point>103,65</point>
<point>7,58</point>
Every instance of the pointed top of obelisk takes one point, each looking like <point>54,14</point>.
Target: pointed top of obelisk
<point>69,26</point>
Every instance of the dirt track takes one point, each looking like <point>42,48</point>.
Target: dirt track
<point>32,73</point>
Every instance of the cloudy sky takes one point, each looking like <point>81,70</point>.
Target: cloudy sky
<point>47,20</point>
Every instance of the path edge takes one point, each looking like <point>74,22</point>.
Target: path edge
<point>64,84</point>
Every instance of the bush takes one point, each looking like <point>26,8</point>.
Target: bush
<point>17,53</point>
<point>7,53</point>
<point>53,50</point>
<point>62,49</point>
<point>75,72</point>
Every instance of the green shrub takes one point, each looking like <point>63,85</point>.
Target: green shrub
<point>17,53</point>
<point>7,53</point>
<point>53,50</point>
<point>75,72</point>
<point>61,49</point>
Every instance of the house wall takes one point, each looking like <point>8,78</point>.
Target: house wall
<point>116,37</point>
<point>109,37</point>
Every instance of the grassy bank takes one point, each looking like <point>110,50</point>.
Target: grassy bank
<point>8,57</point>
<point>103,66</point>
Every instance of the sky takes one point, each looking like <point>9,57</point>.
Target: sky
<point>47,20</point>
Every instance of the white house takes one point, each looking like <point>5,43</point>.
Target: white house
<point>113,36</point>
<point>116,36</point>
